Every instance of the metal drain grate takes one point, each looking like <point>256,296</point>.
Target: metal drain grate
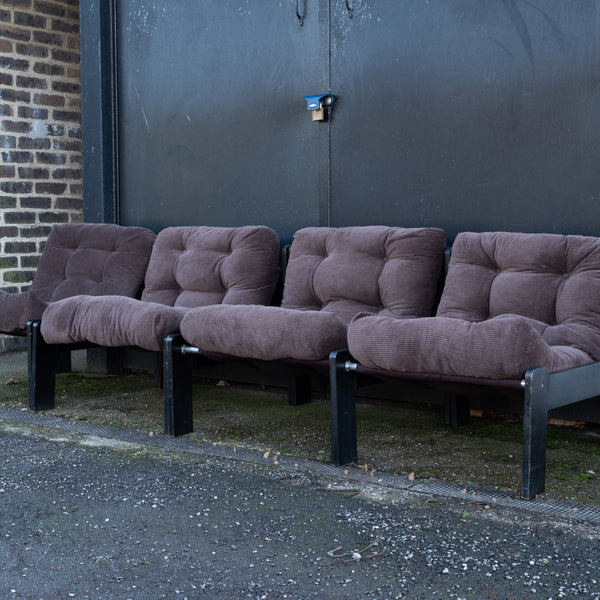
<point>343,475</point>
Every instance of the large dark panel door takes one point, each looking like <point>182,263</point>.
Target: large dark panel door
<point>457,113</point>
<point>213,127</point>
<point>466,114</point>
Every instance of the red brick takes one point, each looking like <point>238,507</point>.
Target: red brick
<point>54,129</point>
<point>16,187</point>
<point>8,141</point>
<point>16,126</point>
<point>67,174</point>
<point>28,143</point>
<point>14,33</point>
<point>49,8</point>
<point>29,50</point>
<point>48,69</point>
<point>52,39</point>
<point>26,112</point>
<point>33,173</point>
<point>7,171</point>
<point>35,232</point>
<point>48,100</point>
<point>66,115</point>
<point>17,3</point>
<point>66,56</point>
<point>13,156</point>
<point>69,203</point>
<point>14,64</point>
<point>9,231</point>
<point>31,82</point>
<point>67,145</point>
<point>66,87</point>
<point>65,26</point>
<point>50,188</point>
<point>73,43</point>
<point>14,95</point>
<point>29,20</point>
<point>29,262</point>
<point>49,158</point>
<point>48,217</point>
<point>18,276</point>
<point>39,202</point>
<point>8,202</point>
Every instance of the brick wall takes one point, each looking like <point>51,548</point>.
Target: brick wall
<point>40,130</point>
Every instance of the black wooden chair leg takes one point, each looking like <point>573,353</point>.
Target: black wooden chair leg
<point>63,361</point>
<point>535,430</point>
<point>343,409</point>
<point>177,387</point>
<point>299,390</point>
<point>41,367</point>
<point>158,369</point>
<point>458,410</point>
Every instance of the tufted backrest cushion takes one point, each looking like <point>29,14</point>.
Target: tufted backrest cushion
<point>200,266</point>
<point>386,270</point>
<point>94,259</point>
<point>552,279</point>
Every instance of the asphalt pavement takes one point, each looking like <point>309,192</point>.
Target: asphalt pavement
<point>107,513</point>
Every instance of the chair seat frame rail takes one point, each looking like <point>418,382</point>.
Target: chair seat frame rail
<point>542,391</point>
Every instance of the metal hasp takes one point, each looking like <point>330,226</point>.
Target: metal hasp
<point>317,104</point>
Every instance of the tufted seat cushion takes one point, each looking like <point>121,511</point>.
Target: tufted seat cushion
<point>332,275</point>
<point>511,302</point>
<point>189,266</point>
<point>80,258</point>
<point>110,321</point>
<point>264,332</point>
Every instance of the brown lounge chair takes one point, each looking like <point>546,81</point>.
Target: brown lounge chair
<point>332,275</point>
<point>518,311</point>
<point>80,258</point>
<point>189,267</point>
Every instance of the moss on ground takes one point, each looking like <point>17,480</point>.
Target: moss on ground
<point>398,438</point>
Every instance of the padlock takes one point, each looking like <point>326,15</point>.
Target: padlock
<point>318,114</point>
<point>316,105</point>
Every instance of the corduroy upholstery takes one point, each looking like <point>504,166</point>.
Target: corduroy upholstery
<point>80,258</point>
<point>332,275</point>
<point>511,302</point>
<point>189,266</point>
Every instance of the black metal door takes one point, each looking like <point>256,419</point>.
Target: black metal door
<point>466,114</point>
<point>456,113</point>
<point>213,127</point>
